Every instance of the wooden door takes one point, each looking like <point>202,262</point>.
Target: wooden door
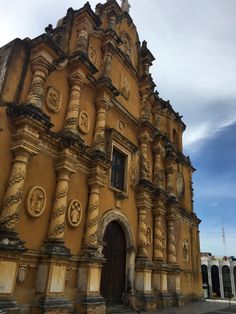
<point>113,272</point>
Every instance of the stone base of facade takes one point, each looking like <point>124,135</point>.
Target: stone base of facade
<point>146,302</point>
<point>9,306</point>
<point>52,305</point>
<point>90,304</point>
<point>178,299</point>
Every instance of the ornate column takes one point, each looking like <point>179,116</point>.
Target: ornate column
<point>107,60</point>
<point>159,173</point>
<point>58,214</point>
<point>145,107</point>
<point>91,227</point>
<point>171,249</point>
<point>77,81</point>
<point>82,41</point>
<point>102,106</point>
<point>170,176</point>
<point>40,68</point>
<point>145,164</point>
<point>159,233</point>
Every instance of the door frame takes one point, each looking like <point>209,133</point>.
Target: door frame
<point>115,215</point>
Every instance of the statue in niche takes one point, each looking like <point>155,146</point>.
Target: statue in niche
<point>125,6</point>
<point>126,46</point>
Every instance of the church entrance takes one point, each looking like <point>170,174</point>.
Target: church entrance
<point>113,272</point>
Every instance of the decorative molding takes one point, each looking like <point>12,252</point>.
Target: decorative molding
<point>74,213</point>
<point>36,201</point>
<point>53,99</point>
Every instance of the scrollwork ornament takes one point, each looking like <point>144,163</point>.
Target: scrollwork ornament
<point>36,201</point>
<point>74,213</point>
<point>53,99</point>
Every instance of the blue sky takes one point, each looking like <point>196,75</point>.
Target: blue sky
<point>194,43</point>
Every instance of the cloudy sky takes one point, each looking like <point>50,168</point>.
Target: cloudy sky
<point>194,43</point>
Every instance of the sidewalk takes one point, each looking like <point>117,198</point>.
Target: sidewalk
<point>207,307</point>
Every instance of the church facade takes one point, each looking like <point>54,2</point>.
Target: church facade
<point>95,191</point>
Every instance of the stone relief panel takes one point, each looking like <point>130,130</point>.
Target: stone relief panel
<point>36,201</point>
<point>93,55</point>
<point>84,122</point>
<point>124,86</point>
<point>74,213</point>
<point>53,99</point>
<point>126,46</point>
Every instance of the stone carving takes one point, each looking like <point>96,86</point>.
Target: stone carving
<point>74,213</point>
<point>171,250</point>
<point>134,169</point>
<point>125,47</point>
<point>179,184</point>
<point>36,201</point>
<point>121,127</point>
<point>84,122</point>
<point>53,99</point>
<point>124,86</point>
<point>145,168</point>
<point>22,273</point>
<point>93,55</point>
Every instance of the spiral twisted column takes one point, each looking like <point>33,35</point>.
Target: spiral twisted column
<point>57,221</point>
<point>102,106</point>
<point>13,198</point>
<point>77,81</point>
<point>159,173</point>
<point>40,68</point>
<point>171,243</point>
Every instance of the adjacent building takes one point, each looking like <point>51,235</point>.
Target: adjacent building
<point>218,276</point>
<point>95,191</point>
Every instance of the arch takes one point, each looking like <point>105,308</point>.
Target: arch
<point>115,215</point>
<point>215,281</point>
<point>110,216</point>
<point>226,281</point>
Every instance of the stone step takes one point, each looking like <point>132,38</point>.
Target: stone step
<point>119,308</point>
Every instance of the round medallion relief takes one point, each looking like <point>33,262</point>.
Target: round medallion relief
<point>179,184</point>
<point>74,213</point>
<point>36,201</point>
<point>84,122</point>
<point>53,99</point>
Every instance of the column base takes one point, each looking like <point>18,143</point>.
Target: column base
<point>9,306</point>
<point>91,304</point>
<point>52,305</point>
<point>178,299</point>
<point>146,302</point>
<point>10,241</point>
<point>56,247</point>
<point>165,299</point>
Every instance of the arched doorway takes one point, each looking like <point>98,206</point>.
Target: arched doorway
<point>226,281</point>
<point>113,272</point>
<point>215,281</point>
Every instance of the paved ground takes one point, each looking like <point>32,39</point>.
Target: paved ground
<point>207,307</point>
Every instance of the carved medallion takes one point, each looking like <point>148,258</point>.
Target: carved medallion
<point>36,201</point>
<point>74,213</point>
<point>92,55</point>
<point>124,86</point>
<point>121,127</point>
<point>84,122</point>
<point>53,99</point>
<point>179,184</point>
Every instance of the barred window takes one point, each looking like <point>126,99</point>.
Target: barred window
<point>118,170</point>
